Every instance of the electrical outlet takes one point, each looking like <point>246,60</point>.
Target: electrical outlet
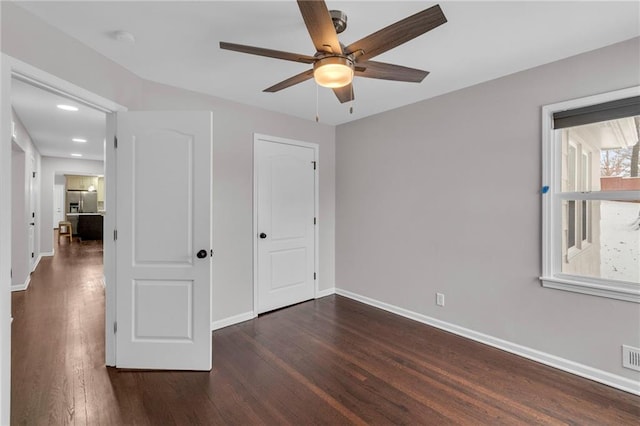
<point>439,299</point>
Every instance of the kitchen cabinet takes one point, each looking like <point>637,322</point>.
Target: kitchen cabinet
<point>81,183</point>
<point>74,183</point>
<point>100,188</point>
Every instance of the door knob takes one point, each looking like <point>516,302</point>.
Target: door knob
<point>202,254</point>
<point>263,235</point>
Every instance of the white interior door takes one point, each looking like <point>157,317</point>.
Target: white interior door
<point>163,246</point>
<point>285,223</point>
<point>58,204</point>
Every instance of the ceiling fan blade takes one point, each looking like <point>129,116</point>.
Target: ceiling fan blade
<point>299,78</point>
<point>287,56</point>
<point>396,34</point>
<point>383,71</point>
<point>344,94</point>
<point>320,26</point>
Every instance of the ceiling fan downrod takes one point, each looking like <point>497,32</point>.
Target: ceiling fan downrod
<point>339,19</point>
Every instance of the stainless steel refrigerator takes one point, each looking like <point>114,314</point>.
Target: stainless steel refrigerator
<point>82,202</point>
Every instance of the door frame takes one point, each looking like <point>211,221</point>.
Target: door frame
<point>14,68</point>
<point>257,137</point>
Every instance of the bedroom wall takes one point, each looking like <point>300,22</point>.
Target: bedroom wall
<point>444,196</point>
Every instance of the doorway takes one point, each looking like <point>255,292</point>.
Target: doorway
<point>285,222</point>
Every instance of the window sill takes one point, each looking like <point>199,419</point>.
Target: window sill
<point>613,290</point>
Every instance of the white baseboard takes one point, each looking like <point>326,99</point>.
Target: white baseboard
<point>325,292</point>
<point>35,264</point>
<point>236,319</point>
<point>569,366</point>
<point>23,286</point>
<point>48,253</point>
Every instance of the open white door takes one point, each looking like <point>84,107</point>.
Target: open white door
<point>163,246</point>
<point>285,222</point>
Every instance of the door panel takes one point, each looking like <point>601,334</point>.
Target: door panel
<point>285,215</point>
<point>152,300</point>
<point>163,219</point>
<point>171,182</point>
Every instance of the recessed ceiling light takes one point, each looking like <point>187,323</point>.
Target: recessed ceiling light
<point>79,140</point>
<point>76,155</point>
<point>67,107</point>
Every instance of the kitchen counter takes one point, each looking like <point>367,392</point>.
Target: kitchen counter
<point>87,226</point>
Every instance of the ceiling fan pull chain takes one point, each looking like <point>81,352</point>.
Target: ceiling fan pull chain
<point>352,99</point>
<point>317,108</point>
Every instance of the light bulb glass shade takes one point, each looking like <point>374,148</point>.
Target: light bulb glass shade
<point>333,71</point>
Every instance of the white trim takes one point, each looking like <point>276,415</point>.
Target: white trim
<point>48,253</point>
<point>563,364</point>
<point>316,156</point>
<point>619,291</point>
<point>236,319</point>
<point>23,286</point>
<point>35,264</point>
<point>552,203</point>
<point>326,292</point>
<point>109,246</point>
<point>46,81</point>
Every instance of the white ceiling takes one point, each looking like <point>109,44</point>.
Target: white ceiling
<point>177,43</point>
<point>53,129</point>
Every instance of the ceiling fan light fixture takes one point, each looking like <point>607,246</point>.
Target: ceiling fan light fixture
<point>333,71</point>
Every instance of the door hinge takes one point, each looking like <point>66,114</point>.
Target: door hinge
<point>314,165</point>
<point>115,327</point>
<point>115,235</point>
<point>33,214</point>
<point>33,255</point>
<point>315,221</point>
<point>115,142</point>
<point>314,275</point>
<point>34,175</point>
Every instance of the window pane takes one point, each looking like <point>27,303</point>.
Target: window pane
<point>571,168</point>
<point>610,243</point>
<point>602,156</point>
<point>586,237</point>
<point>571,224</point>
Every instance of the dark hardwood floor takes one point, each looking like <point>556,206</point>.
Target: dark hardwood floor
<point>330,361</point>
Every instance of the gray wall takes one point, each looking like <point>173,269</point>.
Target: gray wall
<point>444,196</point>
<point>234,125</point>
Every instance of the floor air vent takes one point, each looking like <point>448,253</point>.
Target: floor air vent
<point>631,357</point>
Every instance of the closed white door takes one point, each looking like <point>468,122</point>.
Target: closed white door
<point>58,204</point>
<point>163,245</point>
<point>285,222</point>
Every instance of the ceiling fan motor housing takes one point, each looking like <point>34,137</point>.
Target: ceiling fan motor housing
<point>339,19</point>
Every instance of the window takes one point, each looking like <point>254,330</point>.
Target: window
<point>591,240</point>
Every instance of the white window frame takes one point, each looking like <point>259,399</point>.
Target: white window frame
<point>552,198</point>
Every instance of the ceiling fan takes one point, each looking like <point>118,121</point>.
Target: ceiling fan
<point>334,64</point>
